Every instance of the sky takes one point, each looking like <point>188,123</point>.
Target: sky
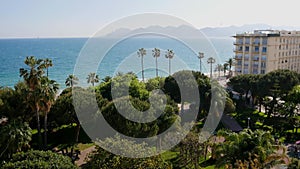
<point>78,18</point>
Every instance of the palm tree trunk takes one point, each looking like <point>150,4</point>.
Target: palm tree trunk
<point>169,66</point>
<point>77,132</point>
<point>142,63</point>
<point>156,67</point>
<point>205,153</point>
<point>200,65</point>
<point>210,71</point>
<point>45,131</point>
<point>39,129</point>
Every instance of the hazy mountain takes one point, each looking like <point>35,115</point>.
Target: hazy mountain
<point>232,30</point>
<point>182,31</point>
<point>189,32</point>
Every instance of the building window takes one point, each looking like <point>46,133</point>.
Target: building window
<point>246,57</point>
<point>264,49</point>
<point>247,41</point>
<point>256,49</point>
<point>264,41</point>
<point>279,47</point>
<point>256,58</point>
<point>247,48</point>
<point>255,71</point>
<point>239,63</point>
<point>263,64</point>
<point>257,41</point>
<point>246,71</point>
<point>262,72</point>
<point>264,58</point>
<point>241,40</point>
<point>239,56</point>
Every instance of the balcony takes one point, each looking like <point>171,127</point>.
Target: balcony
<point>237,51</point>
<point>237,43</point>
<point>255,51</point>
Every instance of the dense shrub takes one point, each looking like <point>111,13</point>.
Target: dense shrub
<point>35,159</point>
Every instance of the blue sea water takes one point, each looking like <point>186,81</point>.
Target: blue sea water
<point>64,53</point>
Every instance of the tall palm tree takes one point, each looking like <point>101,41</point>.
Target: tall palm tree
<point>219,68</point>
<point>71,81</point>
<point>141,53</point>
<point>47,63</point>
<point>169,55</point>
<point>32,78</point>
<point>230,63</point>
<point>225,68</point>
<point>200,56</point>
<point>211,61</point>
<point>156,54</point>
<point>49,90</point>
<point>93,78</point>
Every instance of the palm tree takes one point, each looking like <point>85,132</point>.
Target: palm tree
<point>169,55</point>
<point>211,61</point>
<point>225,68</point>
<point>141,53</point>
<point>247,145</point>
<point>32,78</point>
<point>230,63</point>
<point>71,81</point>
<point>200,56</point>
<point>92,78</point>
<point>47,63</point>
<point>156,54</point>
<point>49,90</point>
<point>219,68</point>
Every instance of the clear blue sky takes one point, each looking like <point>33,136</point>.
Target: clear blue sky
<point>78,18</point>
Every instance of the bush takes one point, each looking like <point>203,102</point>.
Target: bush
<point>35,159</point>
<point>103,159</point>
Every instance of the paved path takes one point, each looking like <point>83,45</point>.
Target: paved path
<point>83,155</point>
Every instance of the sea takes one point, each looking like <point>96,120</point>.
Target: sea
<point>67,55</point>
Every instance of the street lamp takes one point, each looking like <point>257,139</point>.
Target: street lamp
<point>248,122</point>
<point>211,61</point>
<point>200,56</point>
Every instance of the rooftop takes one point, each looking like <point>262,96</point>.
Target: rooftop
<point>269,33</point>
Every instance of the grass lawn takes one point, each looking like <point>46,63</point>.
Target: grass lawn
<point>82,146</point>
<point>172,155</point>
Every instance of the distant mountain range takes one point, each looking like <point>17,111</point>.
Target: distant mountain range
<point>189,32</point>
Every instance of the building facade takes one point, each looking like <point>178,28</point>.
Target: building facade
<point>263,51</point>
